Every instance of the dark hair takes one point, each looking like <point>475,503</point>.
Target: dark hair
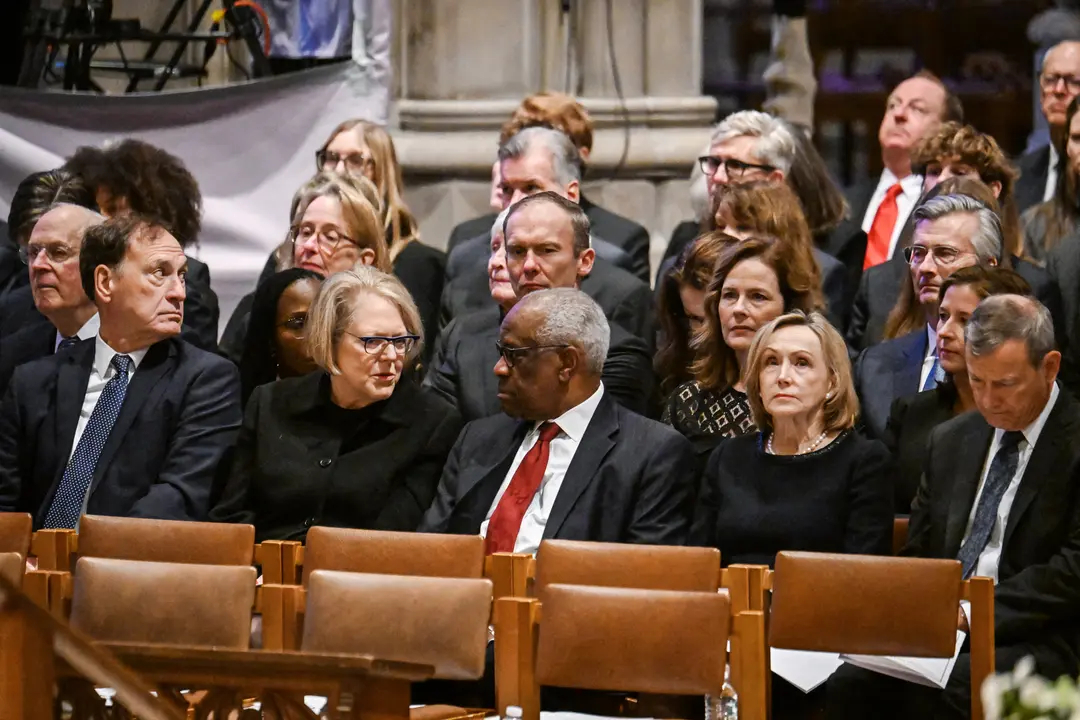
<point>693,268</point>
<point>38,193</point>
<point>822,201</point>
<point>954,109</point>
<point>986,281</point>
<point>578,219</point>
<point>258,361</point>
<point>107,243</point>
<point>152,181</point>
<point>1061,214</point>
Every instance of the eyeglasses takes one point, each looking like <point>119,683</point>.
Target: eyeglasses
<point>942,255</point>
<point>734,169</point>
<point>329,240</point>
<point>56,253</point>
<point>355,164</point>
<point>296,323</point>
<point>377,344</point>
<point>1049,82</point>
<point>512,354</point>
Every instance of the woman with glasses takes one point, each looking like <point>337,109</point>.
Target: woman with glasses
<point>275,348</point>
<point>354,445</point>
<point>361,148</point>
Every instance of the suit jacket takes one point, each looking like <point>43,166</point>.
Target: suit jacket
<point>1031,185</point>
<point>885,372</point>
<point>201,313</point>
<point>301,461</point>
<point>624,299</point>
<point>180,415</point>
<point>13,272</point>
<point>631,480</point>
<point>34,341</point>
<point>624,234</point>
<point>422,269</point>
<point>462,370</point>
<point>911,420</point>
<point>847,243</point>
<point>880,286</point>
<point>1063,265</point>
<point>1037,597</point>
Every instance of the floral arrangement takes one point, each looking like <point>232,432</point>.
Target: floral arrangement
<point>1022,695</point>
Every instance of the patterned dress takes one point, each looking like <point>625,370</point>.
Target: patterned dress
<point>705,417</point>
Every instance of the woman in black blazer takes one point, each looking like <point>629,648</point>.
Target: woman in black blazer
<point>912,418</point>
<point>353,445</point>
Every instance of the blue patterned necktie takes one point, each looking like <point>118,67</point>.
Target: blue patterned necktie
<point>1002,470</point>
<point>67,503</point>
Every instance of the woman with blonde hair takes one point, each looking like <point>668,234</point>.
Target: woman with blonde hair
<point>354,444</point>
<point>754,281</point>
<point>359,148</point>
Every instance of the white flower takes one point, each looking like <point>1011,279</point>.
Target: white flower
<point>1024,668</point>
<point>1036,693</point>
<point>992,692</point>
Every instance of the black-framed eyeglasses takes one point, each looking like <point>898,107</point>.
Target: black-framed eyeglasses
<point>942,255</point>
<point>329,240</point>
<point>377,344</point>
<point>296,323</point>
<point>1049,82</point>
<point>355,164</point>
<point>56,253</point>
<point>512,354</point>
<point>734,169</point>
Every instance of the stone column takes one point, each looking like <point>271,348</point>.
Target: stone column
<point>462,66</point>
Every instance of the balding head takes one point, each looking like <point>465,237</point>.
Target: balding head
<point>52,254</point>
<point>1059,82</point>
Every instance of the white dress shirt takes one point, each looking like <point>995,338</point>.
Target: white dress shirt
<point>905,202</point>
<point>87,331</point>
<point>931,355</point>
<point>1051,174</point>
<point>572,425</point>
<point>987,564</point>
<point>101,372</point>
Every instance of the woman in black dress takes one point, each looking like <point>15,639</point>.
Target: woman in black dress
<point>913,417</point>
<point>754,281</point>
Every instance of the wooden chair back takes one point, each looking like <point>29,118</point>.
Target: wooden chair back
<point>899,534</point>
<point>435,621</point>
<point>626,639</point>
<point>167,541</point>
<point>12,567</point>
<point>128,601</point>
<point>15,531</point>
<point>871,605</point>
<point>645,567</point>
<point>393,553</point>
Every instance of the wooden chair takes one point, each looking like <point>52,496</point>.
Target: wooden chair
<point>899,534</point>
<point>15,532</point>
<point>12,566</point>
<point>622,639</point>
<point>872,605</point>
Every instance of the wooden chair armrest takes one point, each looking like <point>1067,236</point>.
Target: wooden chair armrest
<point>282,610</point>
<point>515,656</point>
<point>511,574</point>
<point>54,548</point>
<point>980,592</point>
<point>51,590</point>
<point>280,561</point>
<point>749,664</point>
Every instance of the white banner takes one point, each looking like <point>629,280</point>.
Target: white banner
<point>250,146</point>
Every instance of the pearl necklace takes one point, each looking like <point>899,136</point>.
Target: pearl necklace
<point>813,446</point>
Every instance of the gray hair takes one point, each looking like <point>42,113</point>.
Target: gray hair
<point>571,318</point>
<point>775,145</point>
<point>497,226</point>
<point>1000,318</point>
<point>565,159</point>
<point>987,240</point>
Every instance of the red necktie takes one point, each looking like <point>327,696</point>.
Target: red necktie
<point>502,530</point>
<point>880,236</point>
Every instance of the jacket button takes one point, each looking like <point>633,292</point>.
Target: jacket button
<point>325,462</point>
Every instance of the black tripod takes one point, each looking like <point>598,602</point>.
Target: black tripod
<point>82,26</point>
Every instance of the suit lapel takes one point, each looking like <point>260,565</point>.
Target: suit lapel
<point>593,448</point>
<point>906,377</point>
<point>478,490</point>
<point>156,366</point>
<point>73,376</point>
<point>965,480</point>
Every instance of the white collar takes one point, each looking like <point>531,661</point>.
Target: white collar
<point>103,356</point>
<point>575,421</point>
<point>931,340</point>
<point>1053,156</point>
<point>910,185</point>
<point>89,328</point>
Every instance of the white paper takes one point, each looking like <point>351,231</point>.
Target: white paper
<point>802,668</point>
<point>932,672</point>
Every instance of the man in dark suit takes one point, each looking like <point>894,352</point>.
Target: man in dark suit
<point>133,423</point>
<point>1000,492</point>
<point>67,315</point>
<point>1059,83</point>
<point>547,246</point>
<point>880,206</point>
<point>951,232</point>
<point>568,462</point>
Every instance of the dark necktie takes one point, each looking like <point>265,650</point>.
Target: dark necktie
<point>67,503</point>
<point>505,522</point>
<point>67,342</point>
<point>1002,470</point>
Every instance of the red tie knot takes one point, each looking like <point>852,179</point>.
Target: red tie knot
<point>548,432</point>
<point>893,192</point>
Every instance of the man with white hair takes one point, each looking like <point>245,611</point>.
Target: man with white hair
<point>546,246</point>
<point>52,255</point>
<point>565,461</point>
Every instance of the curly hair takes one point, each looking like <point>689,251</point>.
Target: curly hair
<point>717,366</point>
<point>38,193</point>
<point>149,180</point>
<point>552,110</point>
